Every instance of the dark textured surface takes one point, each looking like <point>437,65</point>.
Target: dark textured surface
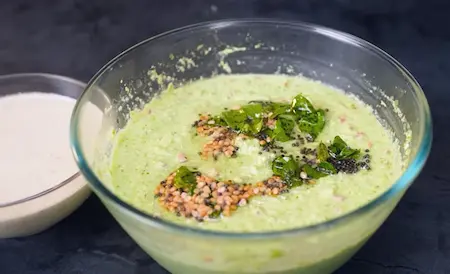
<point>75,38</point>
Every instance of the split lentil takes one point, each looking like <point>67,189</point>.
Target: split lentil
<point>211,198</point>
<point>222,138</point>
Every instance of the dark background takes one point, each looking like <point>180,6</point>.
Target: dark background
<point>75,38</point>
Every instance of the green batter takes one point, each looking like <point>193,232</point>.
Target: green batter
<point>159,139</point>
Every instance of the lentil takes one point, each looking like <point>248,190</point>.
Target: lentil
<point>222,141</point>
<point>211,198</point>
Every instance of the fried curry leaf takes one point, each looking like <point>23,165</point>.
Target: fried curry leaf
<point>310,120</point>
<point>273,108</point>
<point>218,121</point>
<point>301,106</point>
<point>185,179</point>
<point>312,172</point>
<point>248,119</point>
<point>348,152</point>
<point>312,123</point>
<point>287,168</point>
<point>215,214</point>
<point>279,109</point>
<point>340,150</point>
<point>235,119</point>
<point>283,129</point>
<point>287,122</point>
<point>326,167</point>
<point>254,117</point>
<point>253,110</point>
<point>284,166</point>
<point>293,182</point>
<point>320,122</point>
<point>322,152</point>
<point>337,145</point>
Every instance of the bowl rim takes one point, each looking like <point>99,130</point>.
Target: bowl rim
<point>52,77</point>
<point>408,176</point>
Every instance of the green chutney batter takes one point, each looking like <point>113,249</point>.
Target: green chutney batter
<point>160,139</point>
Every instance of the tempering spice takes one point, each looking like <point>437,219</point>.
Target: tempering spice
<point>203,197</point>
<point>193,195</point>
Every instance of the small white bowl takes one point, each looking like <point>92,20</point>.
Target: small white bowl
<point>41,210</point>
<point>37,213</point>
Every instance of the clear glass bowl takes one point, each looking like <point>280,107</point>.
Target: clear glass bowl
<point>335,58</point>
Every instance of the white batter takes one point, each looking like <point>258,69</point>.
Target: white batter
<point>34,143</point>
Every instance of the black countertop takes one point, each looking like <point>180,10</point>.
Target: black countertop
<point>75,38</point>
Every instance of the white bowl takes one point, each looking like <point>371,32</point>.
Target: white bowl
<point>36,214</point>
<point>41,210</point>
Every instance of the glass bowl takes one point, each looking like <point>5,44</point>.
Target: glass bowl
<point>251,46</point>
<point>38,211</point>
